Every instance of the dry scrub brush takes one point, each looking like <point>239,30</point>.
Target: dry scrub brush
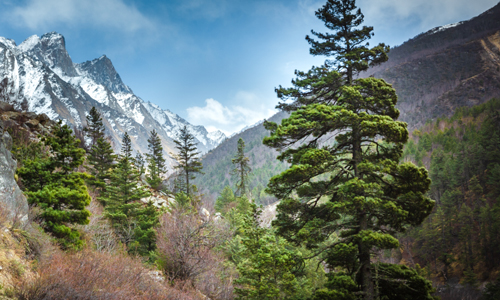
<point>96,275</point>
<point>188,249</point>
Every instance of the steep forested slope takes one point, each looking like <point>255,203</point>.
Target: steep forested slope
<point>461,239</point>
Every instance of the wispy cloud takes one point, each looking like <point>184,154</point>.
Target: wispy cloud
<point>111,14</point>
<point>426,13</point>
<point>232,118</point>
<point>206,9</point>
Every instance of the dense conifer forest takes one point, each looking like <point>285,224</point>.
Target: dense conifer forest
<point>459,241</point>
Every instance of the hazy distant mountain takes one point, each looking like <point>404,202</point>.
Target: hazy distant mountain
<point>40,73</point>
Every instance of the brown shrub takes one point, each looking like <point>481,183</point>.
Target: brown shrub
<point>95,275</point>
<point>99,233</point>
<point>187,247</point>
<point>185,244</point>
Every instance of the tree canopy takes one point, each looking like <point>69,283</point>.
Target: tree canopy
<point>188,159</point>
<point>345,189</point>
<point>53,185</point>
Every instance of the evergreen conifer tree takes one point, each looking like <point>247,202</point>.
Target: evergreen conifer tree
<point>53,185</point>
<point>101,156</point>
<point>242,169</point>
<point>139,163</point>
<point>156,162</point>
<point>187,157</point>
<point>225,200</point>
<point>266,269</point>
<point>95,126</point>
<point>121,198</point>
<point>355,186</point>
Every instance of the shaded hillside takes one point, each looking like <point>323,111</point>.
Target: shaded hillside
<point>217,163</point>
<point>445,68</point>
<point>460,240</point>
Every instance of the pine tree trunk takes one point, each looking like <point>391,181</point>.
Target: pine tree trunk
<point>187,182</point>
<point>364,259</point>
<point>364,250</point>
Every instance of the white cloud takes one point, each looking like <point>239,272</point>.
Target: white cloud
<point>111,14</point>
<point>230,119</point>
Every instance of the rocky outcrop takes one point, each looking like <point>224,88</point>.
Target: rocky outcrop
<point>11,196</point>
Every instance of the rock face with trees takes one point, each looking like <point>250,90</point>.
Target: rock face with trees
<point>11,195</point>
<point>347,199</point>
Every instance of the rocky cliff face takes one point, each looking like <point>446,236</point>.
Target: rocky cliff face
<point>40,76</point>
<point>11,196</point>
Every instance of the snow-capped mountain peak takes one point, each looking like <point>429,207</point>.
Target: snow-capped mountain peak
<point>29,43</point>
<point>40,73</point>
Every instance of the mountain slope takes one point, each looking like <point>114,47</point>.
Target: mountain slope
<point>40,76</point>
<point>217,164</point>
<point>445,68</point>
<point>434,73</point>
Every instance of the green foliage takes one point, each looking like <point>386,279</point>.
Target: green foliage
<point>156,162</point>
<point>139,162</point>
<point>183,201</point>
<point>132,221</point>
<point>353,192</point>
<point>266,269</point>
<point>54,186</point>
<point>101,156</point>
<point>461,238</point>
<point>225,201</point>
<point>23,148</point>
<point>188,160</point>
<point>95,128</point>
<point>241,169</point>
<point>492,290</point>
<point>147,218</point>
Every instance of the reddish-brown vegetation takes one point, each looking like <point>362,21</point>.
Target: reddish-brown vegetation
<point>95,275</point>
<point>187,246</point>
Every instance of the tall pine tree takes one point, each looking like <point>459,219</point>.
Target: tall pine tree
<point>121,199</point>
<point>156,162</point>
<point>101,156</point>
<point>345,199</point>
<point>95,126</point>
<point>188,159</point>
<point>241,169</point>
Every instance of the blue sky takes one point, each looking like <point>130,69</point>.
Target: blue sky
<point>214,62</point>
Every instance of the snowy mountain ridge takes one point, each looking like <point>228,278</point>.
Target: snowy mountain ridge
<point>40,73</point>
